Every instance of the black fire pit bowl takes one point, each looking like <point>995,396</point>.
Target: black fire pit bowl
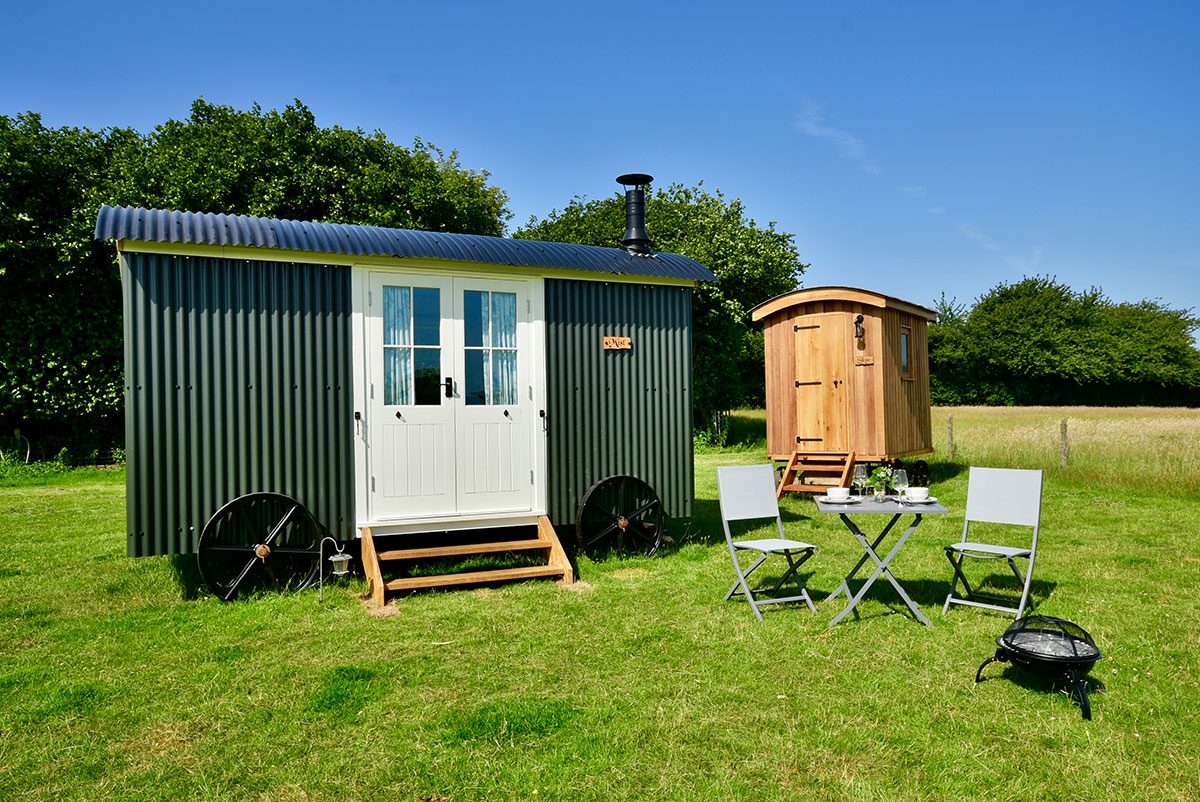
<point>1049,647</point>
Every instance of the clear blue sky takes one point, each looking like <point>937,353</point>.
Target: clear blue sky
<point>912,148</point>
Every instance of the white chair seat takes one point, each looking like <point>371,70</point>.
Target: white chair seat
<point>988,548</point>
<point>772,545</point>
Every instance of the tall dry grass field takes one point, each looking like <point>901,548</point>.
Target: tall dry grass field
<point>1142,447</point>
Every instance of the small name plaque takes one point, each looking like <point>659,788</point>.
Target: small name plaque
<point>618,343</point>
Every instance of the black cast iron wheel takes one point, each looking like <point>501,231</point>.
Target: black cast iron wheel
<point>918,473</point>
<point>259,542</point>
<point>620,514</point>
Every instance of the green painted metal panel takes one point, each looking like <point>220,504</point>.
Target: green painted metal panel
<point>618,411</point>
<point>237,379</point>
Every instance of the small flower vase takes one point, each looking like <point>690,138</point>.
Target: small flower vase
<point>879,492</point>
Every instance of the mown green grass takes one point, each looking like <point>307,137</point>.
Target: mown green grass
<point>636,683</point>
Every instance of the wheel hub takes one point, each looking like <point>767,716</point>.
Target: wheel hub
<point>623,522</point>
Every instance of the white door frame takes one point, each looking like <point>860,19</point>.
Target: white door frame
<point>360,285</point>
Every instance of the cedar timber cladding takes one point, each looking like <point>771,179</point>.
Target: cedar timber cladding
<point>618,411</point>
<point>828,390</point>
<point>237,380</point>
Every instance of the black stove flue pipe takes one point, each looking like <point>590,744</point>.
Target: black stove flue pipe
<point>636,240</point>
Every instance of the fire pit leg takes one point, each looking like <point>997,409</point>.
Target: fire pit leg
<point>1080,688</point>
<point>998,657</point>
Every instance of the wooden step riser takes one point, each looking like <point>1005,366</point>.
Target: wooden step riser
<point>475,577</point>
<point>464,550</point>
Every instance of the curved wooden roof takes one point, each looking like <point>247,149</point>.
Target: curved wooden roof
<point>845,294</point>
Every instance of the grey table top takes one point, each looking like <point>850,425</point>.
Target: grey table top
<point>868,506</point>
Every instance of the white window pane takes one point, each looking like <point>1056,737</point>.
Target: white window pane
<point>504,377</point>
<point>475,391</point>
<point>504,320</point>
<point>427,316</point>
<point>397,315</point>
<point>397,376</point>
<point>475,319</point>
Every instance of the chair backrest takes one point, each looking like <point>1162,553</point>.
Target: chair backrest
<point>1004,496</point>
<point>747,491</point>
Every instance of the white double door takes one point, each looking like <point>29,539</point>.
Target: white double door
<point>450,396</point>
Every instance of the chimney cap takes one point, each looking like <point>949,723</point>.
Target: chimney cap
<point>634,180</point>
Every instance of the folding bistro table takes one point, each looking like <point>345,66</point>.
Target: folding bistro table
<point>869,506</point>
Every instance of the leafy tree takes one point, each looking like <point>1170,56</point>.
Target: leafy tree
<point>1037,341</point>
<point>282,164</point>
<point>949,353</point>
<point>60,304</point>
<point>752,263</point>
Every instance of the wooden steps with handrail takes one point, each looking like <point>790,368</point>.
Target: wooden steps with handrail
<point>816,472</point>
<point>556,565</point>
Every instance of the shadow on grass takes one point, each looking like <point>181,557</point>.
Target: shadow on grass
<point>705,527</point>
<point>945,471</point>
<point>932,592</point>
<point>1045,683</point>
<point>760,580</point>
<point>187,577</point>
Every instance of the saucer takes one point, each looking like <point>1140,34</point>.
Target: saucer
<point>926,500</point>
<point>828,500</point>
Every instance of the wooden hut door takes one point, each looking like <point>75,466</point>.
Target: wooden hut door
<point>822,395</point>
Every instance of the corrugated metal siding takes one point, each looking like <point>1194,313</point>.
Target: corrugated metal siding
<point>237,379</point>
<point>618,412</point>
<point>157,225</point>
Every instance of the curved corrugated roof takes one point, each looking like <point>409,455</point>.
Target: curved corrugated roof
<point>779,303</point>
<point>196,228</point>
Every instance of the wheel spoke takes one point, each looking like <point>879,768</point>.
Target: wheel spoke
<point>604,534</point>
<point>279,526</point>
<point>593,505</point>
<point>251,527</point>
<point>233,588</point>
<point>638,512</point>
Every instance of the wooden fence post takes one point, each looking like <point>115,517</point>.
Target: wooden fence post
<point>950,436</point>
<point>1062,454</point>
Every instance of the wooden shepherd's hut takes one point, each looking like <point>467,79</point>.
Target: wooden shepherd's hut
<point>847,373</point>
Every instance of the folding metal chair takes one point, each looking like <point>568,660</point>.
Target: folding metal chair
<point>747,492</point>
<point>998,496</point>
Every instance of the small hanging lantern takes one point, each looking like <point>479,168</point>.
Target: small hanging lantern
<point>339,565</point>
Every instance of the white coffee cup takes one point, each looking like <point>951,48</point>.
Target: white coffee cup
<point>917,493</point>
<point>838,493</point>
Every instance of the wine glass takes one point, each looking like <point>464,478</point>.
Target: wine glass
<point>900,482</point>
<point>860,478</point>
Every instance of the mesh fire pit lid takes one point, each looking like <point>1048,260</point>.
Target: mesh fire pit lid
<point>1047,638</point>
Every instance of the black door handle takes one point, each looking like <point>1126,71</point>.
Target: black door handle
<point>449,387</point>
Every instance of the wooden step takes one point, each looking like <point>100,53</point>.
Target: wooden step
<point>808,488</point>
<point>463,550</point>
<point>558,565</point>
<point>815,472</point>
<point>474,577</point>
